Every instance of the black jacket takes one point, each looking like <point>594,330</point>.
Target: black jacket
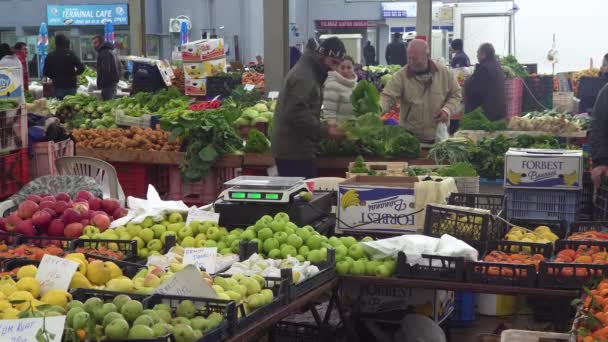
<point>62,66</point>
<point>108,66</point>
<point>598,137</point>
<point>297,120</point>
<point>396,53</point>
<point>460,60</point>
<point>486,89</point>
<point>369,53</point>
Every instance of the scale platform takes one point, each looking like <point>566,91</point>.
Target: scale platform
<point>259,189</point>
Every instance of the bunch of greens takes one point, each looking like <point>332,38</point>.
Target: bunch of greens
<point>512,68</point>
<point>414,171</point>
<point>453,150</point>
<point>366,99</point>
<point>476,120</point>
<point>245,98</point>
<point>462,169</point>
<point>209,136</point>
<point>8,104</point>
<point>82,79</point>
<point>256,142</point>
<point>359,166</point>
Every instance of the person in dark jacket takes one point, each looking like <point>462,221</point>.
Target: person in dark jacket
<point>20,50</point>
<point>297,121</point>
<point>108,68</point>
<point>486,87</point>
<point>396,51</point>
<point>62,66</point>
<point>598,137</point>
<point>459,59</point>
<point>369,53</point>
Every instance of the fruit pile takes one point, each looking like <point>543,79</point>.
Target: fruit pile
<point>592,325</point>
<point>583,255</point>
<point>521,258</point>
<point>352,259</point>
<point>125,318</point>
<point>589,236</point>
<point>262,112</point>
<point>248,291</point>
<point>29,252</point>
<point>541,234</point>
<point>19,299</point>
<point>134,138</point>
<point>59,215</point>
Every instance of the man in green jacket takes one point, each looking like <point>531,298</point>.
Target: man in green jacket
<point>297,121</point>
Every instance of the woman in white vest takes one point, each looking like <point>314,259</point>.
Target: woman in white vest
<point>338,90</point>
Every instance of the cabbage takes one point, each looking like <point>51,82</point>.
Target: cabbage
<point>267,115</point>
<point>385,79</point>
<point>259,119</point>
<point>250,113</point>
<point>242,122</point>
<point>260,107</point>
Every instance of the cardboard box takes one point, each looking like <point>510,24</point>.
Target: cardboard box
<point>204,69</point>
<point>377,204</point>
<point>543,169</point>
<point>11,84</point>
<point>196,87</point>
<point>203,50</point>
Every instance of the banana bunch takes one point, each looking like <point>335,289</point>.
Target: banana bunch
<point>350,199</point>
<point>571,179</point>
<point>514,177</point>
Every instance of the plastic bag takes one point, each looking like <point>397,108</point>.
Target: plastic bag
<point>441,133</point>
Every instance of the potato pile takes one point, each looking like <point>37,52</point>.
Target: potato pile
<point>134,138</point>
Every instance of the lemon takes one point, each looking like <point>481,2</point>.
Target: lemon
<point>27,271</point>
<point>21,296</point>
<point>10,313</point>
<point>30,285</point>
<point>8,289</point>
<point>56,297</point>
<point>4,304</point>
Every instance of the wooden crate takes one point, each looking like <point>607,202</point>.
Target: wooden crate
<point>381,167</point>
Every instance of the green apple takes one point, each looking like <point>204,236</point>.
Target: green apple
<point>143,252</point>
<point>341,252</point>
<point>124,236</point>
<point>356,251</point>
<point>175,227</point>
<point>210,243</point>
<point>348,241</point>
<point>147,222</point>
<point>343,267</point>
<point>90,231</point>
<point>163,236</point>
<point>200,243</point>
<point>204,227</point>
<point>188,241</point>
<point>248,235</point>
<point>260,225</point>
<point>155,245</point>
<point>264,234</point>
<point>281,237</point>
<point>109,235</point>
<point>133,229</point>
<point>237,231</point>
<point>226,251</point>
<point>358,267</point>
<point>288,250</point>
<point>200,237</point>
<point>184,232</point>
<point>295,241</point>
<point>222,245</point>
<point>303,251</point>
<point>158,230</point>
<point>382,271</point>
<point>277,226</point>
<point>314,242</point>
<point>370,267</point>
<point>214,233</point>
<point>195,226</point>
<point>235,246</point>
<point>314,256</point>
<point>303,233</point>
<point>146,234</point>
<point>140,242</point>
<point>119,230</point>
<point>335,241</point>
<point>367,238</point>
<point>270,244</point>
<point>282,217</point>
<point>274,254</point>
<point>175,218</point>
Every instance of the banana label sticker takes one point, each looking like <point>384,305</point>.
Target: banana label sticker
<point>534,168</point>
<point>11,83</point>
<point>376,208</point>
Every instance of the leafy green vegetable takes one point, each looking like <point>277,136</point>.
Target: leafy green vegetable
<point>462,169</point>
<point>6,104</point>
<point>414,171</point>
<point>512,67</point>
<point>399,143</point>
<point>453,150</point>
<point>476,120</point>
<point>365,99</point>
<point>245,98</point>
<point>256,142</point>
<point>359,166</point>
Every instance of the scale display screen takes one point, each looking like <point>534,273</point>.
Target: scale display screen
<point>245,195</point>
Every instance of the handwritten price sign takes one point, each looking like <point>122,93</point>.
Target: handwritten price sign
<point>187,282</point>
<point>31,329</point>
<point>55,273</point>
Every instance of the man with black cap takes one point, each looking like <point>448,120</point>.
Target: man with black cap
<point>396,51</point>
<point>297,121</point>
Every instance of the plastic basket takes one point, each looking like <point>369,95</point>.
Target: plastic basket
<point>513,95</point>
<point>493,203</point>
<point>467,185</point>
<point>587,196</point>
<point>13,129</point>
<point>542,204</point>
<point>327,272</point>
<point>600,211</point>
<point>464,309</point>
<point>133,178</point>
<point>202,192</point>
<point>12,263</point>
<point>511,335</point>
<point>43,241</point>
<point>435,267</point>
<point>105,295</point>
<point>471,226</point>
<point>585,226</point>
<point>558,227</point>
<point>127,247</point>
<point>221,85</point>
<point>294,332</point>
<point>45,155</point>
<point>158,176</point>
<point>281,289</point>
<point>538,93</point>
<point>14,173</point>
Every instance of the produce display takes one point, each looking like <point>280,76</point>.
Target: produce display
<point>353,259</point>
<point>550,122</point>
<point>261,112</point>
<point>256,266</point>
<point>512,68</point>
<point>452,150</point>
<point>256,142</point>
<point>43,106</point>
<point>255,78</point>
<point>592,322</point>
<point>476,120</point>
<point>582,255</point>
<point>134,138</point>
<point>22,298</point>
<point>541,234</point>
<point>521,258</point>
<point>88,72</point>
<point>589,236</point>
<point>365,99</point>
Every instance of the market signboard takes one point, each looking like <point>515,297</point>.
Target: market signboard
<point>342,23</point>
<point>87,15</point>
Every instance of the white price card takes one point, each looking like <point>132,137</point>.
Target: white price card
<point>249,87</point>
<point>200,215</point>
<point>32,329</point>
<point>273,95</point>
<point>201,257</point>
<point>187,282</point>
<point>55,273</point>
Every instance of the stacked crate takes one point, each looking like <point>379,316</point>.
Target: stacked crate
<point>14,171</point>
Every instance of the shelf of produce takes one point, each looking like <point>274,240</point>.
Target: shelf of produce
<point>151,157</point>
<point>284,311</point>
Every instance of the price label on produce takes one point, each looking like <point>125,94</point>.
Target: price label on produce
<point>55,273</point>
<point>187,282</point>
<point>273,95</point>
<point>201,257</point>
<point>195,214</point>
<point>31,329</point>
<point>249,87</point>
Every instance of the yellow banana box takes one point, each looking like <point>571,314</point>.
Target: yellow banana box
<point>377,204</point>
<point>11,83</point>
<point>194,71</point>
<point>543,169</point>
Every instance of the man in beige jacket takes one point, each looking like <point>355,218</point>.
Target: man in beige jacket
<point>428,92</point>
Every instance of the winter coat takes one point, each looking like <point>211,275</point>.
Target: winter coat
<point>297,126</point>
<point>396,53</point>
<point>460,60</point>
<point>336,96</point>
<point>369,53</point>
<point>486,89</point>
<point>108,66</point>
<point>62,66</point>
<point>419,102</point>
<point>598,136</point>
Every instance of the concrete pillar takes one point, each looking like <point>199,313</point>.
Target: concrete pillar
<point>424,19</point>
<point>137,27</point>
<point>276,43</point>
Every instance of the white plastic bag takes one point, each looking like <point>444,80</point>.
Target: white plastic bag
<point>441,133</point>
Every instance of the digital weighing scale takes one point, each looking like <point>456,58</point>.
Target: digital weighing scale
<point>248,198</point>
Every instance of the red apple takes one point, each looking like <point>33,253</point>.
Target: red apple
<point>62,196</point>
<point>71,215</point>
<point>119,212</point>
<point>101,221</point>
<point>85,222</point>
<point>56,228</point>
<point>50,211</point>
<point>42,218</point>
<point>27,209</point>
<point>95,203</point>
<point>81,206</point>
<point>11,222</point>
<point>34,198</point>
<point>49,198</point>
<point>47,204</point>
<point>25,227</point>
<point>73,230</point>
<point>109,205</point>
<point>60,206</point>
<point>83,195</point>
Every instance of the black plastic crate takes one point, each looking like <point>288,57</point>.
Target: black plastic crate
<point>576,244</point>
<point>221,85</point>
<point>585,226</point>
<point>493,203</point>
<point>43,241</point>
<point>127,247</point>
<point>558,227</point>
<point>600,211</point>
<point>538,93</point>
<point>587,196</point>
<point>498,273</point>
<point>473,228</point>
<point>435,267</point>
<point>8,238</point>
<point>327,272</point>
<point>12,263</point>
<point>105,295</point>
<point>294,332</point>
<point>569,275</point>
<point>205,306</point>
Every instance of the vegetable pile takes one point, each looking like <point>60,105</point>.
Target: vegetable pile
<point>82,79</point>
<point>548,121</point>
<point>262,112</point>
<point>512,68</point>
<point>462,169</point>
<point>452,150</point>
<point>476,120</point>
<point>134,138</point>
<point>256,142</point>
